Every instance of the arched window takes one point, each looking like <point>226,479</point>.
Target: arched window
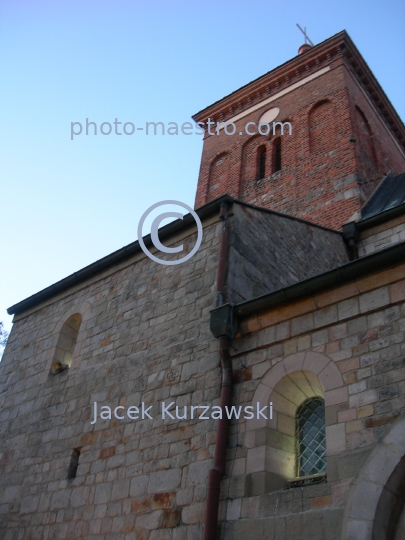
<point>66,344</point>
<point>310,438</point>
<point>253,159</point>
<point>277,154</point>
<point>261,162</point>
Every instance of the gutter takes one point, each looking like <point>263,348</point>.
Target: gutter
<point>227,316</point>
<point>380,218</point>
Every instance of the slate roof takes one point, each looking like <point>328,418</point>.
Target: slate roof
<point>390,194</point>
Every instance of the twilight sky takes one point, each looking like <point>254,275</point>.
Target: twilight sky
<point>66,203</point>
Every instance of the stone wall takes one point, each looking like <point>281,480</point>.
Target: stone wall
<point>352,339</point>
<point>268,251</point>
<point>144,337</point>
<point>298,513</point>
<point>381,236</point>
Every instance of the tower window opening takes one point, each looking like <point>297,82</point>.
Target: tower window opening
<point>277,155</point>
<point>261,163</point>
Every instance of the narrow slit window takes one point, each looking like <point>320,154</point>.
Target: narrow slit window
<point>261,162</point>
<point>74,463</point>
<point>277,155</point>
<point>311,439</point>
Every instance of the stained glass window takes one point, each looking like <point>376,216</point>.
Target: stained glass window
<point>311,440</point>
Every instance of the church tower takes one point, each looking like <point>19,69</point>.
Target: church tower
<point>333,136</point>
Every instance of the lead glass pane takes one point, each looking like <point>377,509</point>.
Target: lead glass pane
<point>311,440</point>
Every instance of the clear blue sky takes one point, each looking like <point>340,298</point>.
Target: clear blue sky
<point>65,204</point>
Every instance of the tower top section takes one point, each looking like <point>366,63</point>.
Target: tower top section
<point>284,76</point>
<point>312,138</point>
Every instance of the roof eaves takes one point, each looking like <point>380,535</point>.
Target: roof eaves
<point>381,217</point>
<point>114,258</point>
<point>327,280</point>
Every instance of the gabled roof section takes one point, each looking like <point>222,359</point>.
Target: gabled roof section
<point>349,272</point>
<point>125,253</point>
<point>390,194</point>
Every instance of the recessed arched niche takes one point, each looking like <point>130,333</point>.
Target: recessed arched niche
<point>275,446</point>
<point>218,176</point>
<point>289,394</point>
<point>66,344</point>
<point>322,128</point>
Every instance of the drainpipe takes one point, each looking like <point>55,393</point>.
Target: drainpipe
<point>216,473</point>
<point>351,237</point>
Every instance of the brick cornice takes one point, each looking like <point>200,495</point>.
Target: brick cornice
<point>280,78</point>
<point>275,80</point>
<point>369,83</point>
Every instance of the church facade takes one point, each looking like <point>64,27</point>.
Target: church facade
<point>256,390</point>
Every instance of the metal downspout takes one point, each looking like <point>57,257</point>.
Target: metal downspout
<point>216,473</point>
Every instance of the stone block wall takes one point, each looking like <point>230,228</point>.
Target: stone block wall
<point>381,236</point>
<point>352,339</point>
<point>291,514</point>
<point>268,251</point>
<point>144,337</point>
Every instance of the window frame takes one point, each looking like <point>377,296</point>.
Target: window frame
<point>298,431</point>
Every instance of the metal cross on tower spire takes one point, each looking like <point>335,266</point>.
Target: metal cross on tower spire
<point>305,34</point>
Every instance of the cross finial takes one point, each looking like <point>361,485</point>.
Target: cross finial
<point>305,34</point>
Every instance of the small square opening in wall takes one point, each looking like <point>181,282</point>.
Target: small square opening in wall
<point>74,463</point>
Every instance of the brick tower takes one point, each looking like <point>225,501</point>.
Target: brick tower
<point>345,137</point>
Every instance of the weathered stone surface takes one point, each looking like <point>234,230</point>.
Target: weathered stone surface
<point>198,472</point>
<point>124,465</point>
<point>193,513</point>
<point>144,338</point>
<point>164,480</point>
<point>150,521</point>
<point>253,269</point>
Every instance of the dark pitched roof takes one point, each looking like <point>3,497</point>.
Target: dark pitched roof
<point>390,193</point>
